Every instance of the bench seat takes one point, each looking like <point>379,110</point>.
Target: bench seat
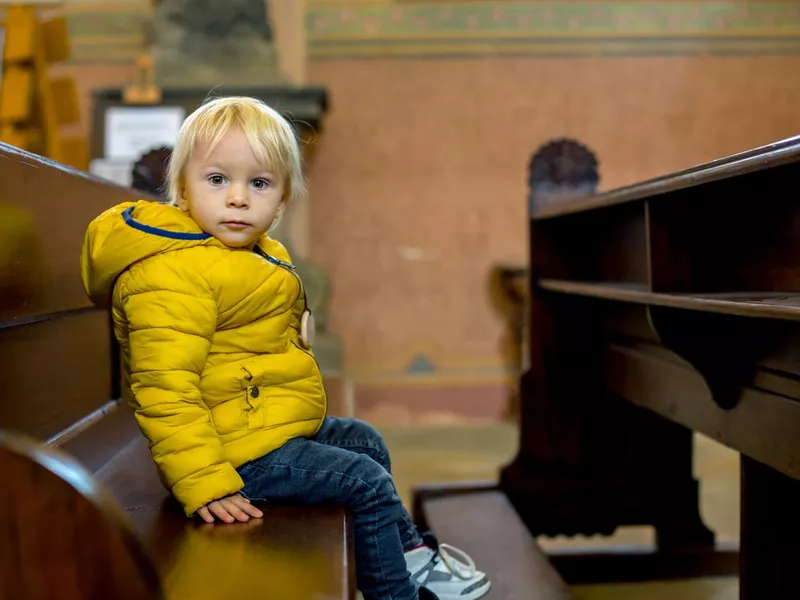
<point>294,552</point>
<point>486,526</point>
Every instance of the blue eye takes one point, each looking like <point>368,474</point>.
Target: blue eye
<point>260,184</point>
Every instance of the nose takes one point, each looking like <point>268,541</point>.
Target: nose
<point>237,198</point>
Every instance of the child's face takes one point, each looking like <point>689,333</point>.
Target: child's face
<point>229,193</point>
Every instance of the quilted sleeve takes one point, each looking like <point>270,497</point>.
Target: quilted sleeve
<point>171,321</point>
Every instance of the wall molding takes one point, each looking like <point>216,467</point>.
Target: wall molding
<point>108,33</point>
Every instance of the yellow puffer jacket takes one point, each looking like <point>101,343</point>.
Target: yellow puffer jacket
<point>213,361</point>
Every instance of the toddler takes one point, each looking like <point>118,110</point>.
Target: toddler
<point>216,342</point>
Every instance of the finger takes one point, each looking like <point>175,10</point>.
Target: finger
<point>205,515</point>
<point>221,512</point>
<point>244,505</point>
<point>230,528</point>
<point>240,501</point>
<point>234,510</point>
<point>243,510</point>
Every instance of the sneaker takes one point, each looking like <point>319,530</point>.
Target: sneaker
<point>436,569</point>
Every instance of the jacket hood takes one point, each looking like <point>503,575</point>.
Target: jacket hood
<point>128,233</point>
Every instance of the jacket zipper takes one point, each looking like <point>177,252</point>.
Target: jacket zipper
<point>292,269</point>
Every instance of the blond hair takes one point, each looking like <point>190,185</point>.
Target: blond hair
<point>271,137</point>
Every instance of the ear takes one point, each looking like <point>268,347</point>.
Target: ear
<point>183,201</point>
<point>277,218</point>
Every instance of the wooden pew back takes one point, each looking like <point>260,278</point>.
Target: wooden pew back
<point>64,536</point>
<point>57,362</point>
<point>660,309</point>
<point>703,267</point>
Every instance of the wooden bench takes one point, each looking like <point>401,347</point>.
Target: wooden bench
<point>656,310</point>
<point>71,456</point>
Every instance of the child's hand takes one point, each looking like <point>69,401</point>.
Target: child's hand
<point>229,509</point>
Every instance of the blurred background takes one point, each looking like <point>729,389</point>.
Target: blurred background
<point>434,108</point>
<point>420,121</point>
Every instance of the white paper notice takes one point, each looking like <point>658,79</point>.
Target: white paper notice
<point>132,131</point>
<point>118,171</point>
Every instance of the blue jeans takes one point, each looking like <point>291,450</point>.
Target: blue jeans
<point>346,464</point>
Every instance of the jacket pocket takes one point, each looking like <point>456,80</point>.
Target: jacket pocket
<point>255,397</point>
<point>254,401</point>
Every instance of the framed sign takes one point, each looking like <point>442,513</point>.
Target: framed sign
<point>132,131</point>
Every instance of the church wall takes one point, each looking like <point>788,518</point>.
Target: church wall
<point>418,183</point>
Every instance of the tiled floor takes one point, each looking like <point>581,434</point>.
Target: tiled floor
<point>475,452</point>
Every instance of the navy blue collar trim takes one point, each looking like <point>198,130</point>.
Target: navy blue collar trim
<point>173,235</point>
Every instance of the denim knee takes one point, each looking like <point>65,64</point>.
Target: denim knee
<point>380,452</point>
<point>374,486</point>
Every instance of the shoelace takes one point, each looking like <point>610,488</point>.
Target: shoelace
<point>456,567</point>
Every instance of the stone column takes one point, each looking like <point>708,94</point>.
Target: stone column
<point>288,20</point>
<point>215,44</point>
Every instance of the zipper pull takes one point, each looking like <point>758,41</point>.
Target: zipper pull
<point>272,259</point>
<point>279,262</point>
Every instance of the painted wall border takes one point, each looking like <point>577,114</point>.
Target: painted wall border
<point>112,32</point>
<point>552,28</point>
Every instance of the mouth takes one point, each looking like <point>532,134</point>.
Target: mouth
<point>236,224</point>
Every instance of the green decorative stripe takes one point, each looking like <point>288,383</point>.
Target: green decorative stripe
<point>553,28</point>
<point>106,24</point>
<point>452,29</point>
<point>553,19</point>
<point>565,47</point>
<point>104,35</point>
